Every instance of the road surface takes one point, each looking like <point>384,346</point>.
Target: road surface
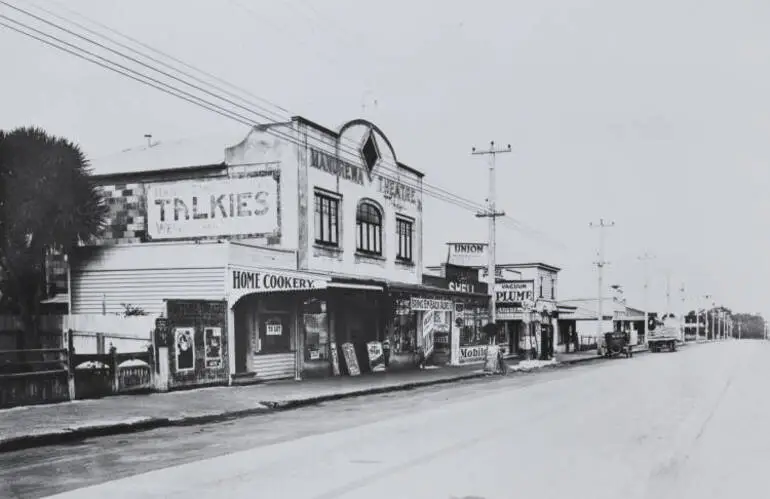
<point>689,424</point>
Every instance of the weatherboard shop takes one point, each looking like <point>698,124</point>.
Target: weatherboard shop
<point>268,258</point>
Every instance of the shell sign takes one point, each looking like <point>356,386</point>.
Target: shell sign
<point>213,208</point>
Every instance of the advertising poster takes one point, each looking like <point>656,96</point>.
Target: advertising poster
<point>184,341</point>
<point>376,356</point>
<point>427,332</point>
<point>490,362</point>
<point>335,359</point>
<point>212,337</point>
<point>349,352</point>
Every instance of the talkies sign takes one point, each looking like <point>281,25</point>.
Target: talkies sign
<point>211,208</point>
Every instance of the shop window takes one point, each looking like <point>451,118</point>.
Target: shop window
<point>404,338</point>
<point>327,219</point>
<point>274,333</point>
<point>316,327</point>
<point>405,230</point>
<point>369,228</point>
<point>471,332</point>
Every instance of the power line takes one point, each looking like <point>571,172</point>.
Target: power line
<point>433,191</point>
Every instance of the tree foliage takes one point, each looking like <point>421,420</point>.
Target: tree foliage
<point>47,202</point>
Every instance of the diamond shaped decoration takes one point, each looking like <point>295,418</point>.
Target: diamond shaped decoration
<point>370,152</point>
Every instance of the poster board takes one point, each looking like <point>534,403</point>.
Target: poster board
<point>184,348</point>
<point>490,362</point>
<point>376,356</point>
<point>335,359</point>
<point>212,340</point>
<point>349,352</point>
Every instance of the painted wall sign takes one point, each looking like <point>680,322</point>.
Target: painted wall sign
<point>212,337</point>
<point>340,168</point>
<point>184,342</point>
<point>210,208</point>
<point>397,191</point>
<point>515,292</point>
<point>425,304</point>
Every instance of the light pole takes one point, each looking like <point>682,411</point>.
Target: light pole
<point>645,260</point>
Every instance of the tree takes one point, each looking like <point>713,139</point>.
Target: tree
<point>47,202</point>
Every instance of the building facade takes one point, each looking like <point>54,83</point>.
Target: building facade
<point>278,255</point>
<point>525,300</point>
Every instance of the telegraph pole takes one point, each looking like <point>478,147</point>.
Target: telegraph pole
<point>682,317</point>
<point>492,214</point>
<point>600,263</point>
<point>645,259</point>
<point>706,319</point>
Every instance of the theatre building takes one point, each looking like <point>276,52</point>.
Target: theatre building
<point>286,252</point>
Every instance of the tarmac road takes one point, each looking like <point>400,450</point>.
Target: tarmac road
<point>657,425</point>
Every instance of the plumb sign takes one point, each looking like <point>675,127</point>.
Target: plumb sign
<point>210,208</point>
<point>515,292</point>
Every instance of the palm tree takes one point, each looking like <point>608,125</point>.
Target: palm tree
<point>47,202</point>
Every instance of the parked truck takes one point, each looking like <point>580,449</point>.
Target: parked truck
<point>665,336</point>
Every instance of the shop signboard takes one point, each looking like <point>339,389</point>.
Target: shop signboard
<point>470,354</point>
<point>212,208</point>
<point>467,254</point>
<point>464,279</point>
<point>490,359</point>
<point>515,293</point>
<point>243,282</point>
<point>351,361</point>
<point>376,356</point>
<point>335,359</point>
<point>429,304</point>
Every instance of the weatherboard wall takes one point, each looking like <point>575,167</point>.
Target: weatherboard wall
<point>106,278</point>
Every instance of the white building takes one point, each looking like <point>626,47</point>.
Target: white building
<point>264,253</point>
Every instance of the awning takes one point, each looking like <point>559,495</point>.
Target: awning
<point>352,285</point>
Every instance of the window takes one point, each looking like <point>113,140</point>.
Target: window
<point>541,286</point>
<point>369,229</point>
<point>553,288</point>
<point>327,220</point>
<point>404,228</point>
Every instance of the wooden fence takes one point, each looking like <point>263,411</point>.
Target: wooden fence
<point>52,375</point>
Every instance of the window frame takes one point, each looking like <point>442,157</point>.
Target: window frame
<point>331,199</point>
<point>401,219</point>
<point>363,245</point>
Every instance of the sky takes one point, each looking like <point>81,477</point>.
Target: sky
<point>653,115</point>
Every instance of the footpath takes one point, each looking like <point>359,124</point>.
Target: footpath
<point>34,426</point>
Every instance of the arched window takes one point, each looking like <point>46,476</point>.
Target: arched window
<point>369,228</point>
